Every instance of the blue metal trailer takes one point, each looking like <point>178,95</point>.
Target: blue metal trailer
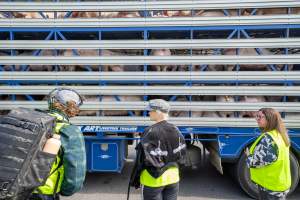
<point>24,79</point>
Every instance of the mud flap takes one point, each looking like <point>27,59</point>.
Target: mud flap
<point>214,156</point>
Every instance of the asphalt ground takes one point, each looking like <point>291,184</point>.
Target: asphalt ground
<point>201,184</point>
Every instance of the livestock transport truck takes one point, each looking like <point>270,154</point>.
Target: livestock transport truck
<point>216,62</point>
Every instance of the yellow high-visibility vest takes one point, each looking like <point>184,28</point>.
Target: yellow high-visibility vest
<point>170,176</point>
<point>277,175</point>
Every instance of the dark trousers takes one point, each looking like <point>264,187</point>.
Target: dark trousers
<point>43,197</point>
<point>264,195</point>
<point>168,192</point>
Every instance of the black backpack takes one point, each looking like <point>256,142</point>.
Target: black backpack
<point>23,164</point>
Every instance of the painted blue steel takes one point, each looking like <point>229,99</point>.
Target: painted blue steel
<point>190,69</point>
<point>12,52</point>
<point>231,146</point>
<point>131,139</point>
<point>145,67</point>
<point>112,138</point>
<point>202,140</point>
<point>174,97</point>
<point>29,98</point>
<point>231,141</point>
<point>184,129</point>
<point>237,68</point>
<point>295,142</point>
<point>286,50</point>
<point>231,35</point>
<point>101,159</point>
<point>117,98</point>
<point>74,51</point>
<point>68,14</point>
<point>258,50</point>
<point>253,11</point>
<point>37,52</point>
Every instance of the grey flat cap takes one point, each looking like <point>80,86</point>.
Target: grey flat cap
<point>159,104</point>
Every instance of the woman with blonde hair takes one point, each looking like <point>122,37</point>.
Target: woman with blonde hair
<point>268,157</point>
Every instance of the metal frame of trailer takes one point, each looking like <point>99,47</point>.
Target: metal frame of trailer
<point>229,135</point>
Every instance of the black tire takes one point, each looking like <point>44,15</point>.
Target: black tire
<point>242,175</point>
<point>295,172</point>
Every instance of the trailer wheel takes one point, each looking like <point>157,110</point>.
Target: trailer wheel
<point>242,175</point>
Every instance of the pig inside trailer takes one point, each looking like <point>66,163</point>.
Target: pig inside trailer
<point>216,67</point>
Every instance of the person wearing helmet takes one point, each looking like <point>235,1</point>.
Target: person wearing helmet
<point>68,171</point>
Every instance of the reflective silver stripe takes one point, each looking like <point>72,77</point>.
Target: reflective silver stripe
<point>158,151</point>
<point>179,148</point>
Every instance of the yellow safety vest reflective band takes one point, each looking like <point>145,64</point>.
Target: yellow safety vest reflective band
<point>53,183</point>
<point>170,176</point>
<point>276,176</point>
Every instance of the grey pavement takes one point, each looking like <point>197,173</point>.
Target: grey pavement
<point>203,184</point>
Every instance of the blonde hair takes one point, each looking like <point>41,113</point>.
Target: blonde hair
<point>274,121</point>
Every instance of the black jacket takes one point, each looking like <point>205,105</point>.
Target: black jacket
<point>163,146</point>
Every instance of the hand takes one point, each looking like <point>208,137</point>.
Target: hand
<point>247,151</point>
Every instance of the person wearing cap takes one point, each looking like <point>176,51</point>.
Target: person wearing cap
<point>68,171</point>
<point>164,148</point>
